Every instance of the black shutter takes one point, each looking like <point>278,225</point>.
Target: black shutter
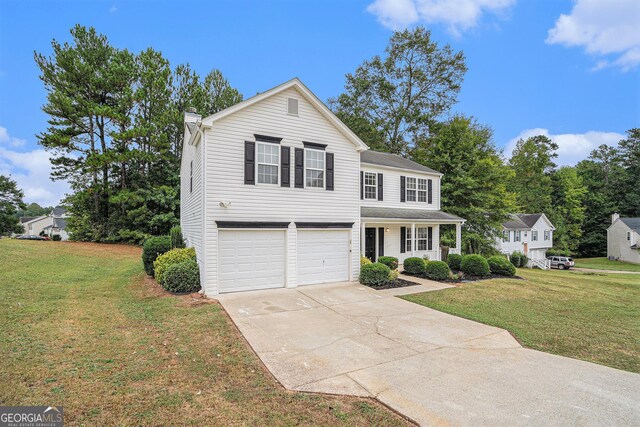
<point>430,241</point>
<point>430,188</point>
<point>381,241</point>
<point>299,166</point>
<point>285,166</point>
<point>380,186</point>
<point>249,162</point>
<point>402,189</point>
<point>361,185</point>
<point>330,174</point>
<point>403,239</point>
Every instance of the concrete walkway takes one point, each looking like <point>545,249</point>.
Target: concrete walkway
<point>435,368</point>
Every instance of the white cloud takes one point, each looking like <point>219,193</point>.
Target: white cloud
<point>31,170</point>
<point>607,29</point>
<point>6,139</point>
<point>572,147</point>
<point>457,15</point>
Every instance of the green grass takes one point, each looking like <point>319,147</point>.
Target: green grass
<point>588,316</point>
<point>82,328</point>
<point>605,264</point>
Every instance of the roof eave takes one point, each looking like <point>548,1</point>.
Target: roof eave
<point>402,169</point>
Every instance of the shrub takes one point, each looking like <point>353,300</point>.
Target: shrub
<point>523,260</point>
<point>374,274</point>
<point>437,270</point>
<point>515,258</point>
<point>453,260</point>
<point>174,256</point>
<point>176,237</point>
<point>393,275</point>
<point>475,265</point>
<point>414,265</point>
<point>56,238</point>
<point>364,261</point>
<point>152,248</point>
<point>389,261</point>
<point>500,265</point>
<point>182,277</point>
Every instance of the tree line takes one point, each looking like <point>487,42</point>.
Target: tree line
<point>116,127</point>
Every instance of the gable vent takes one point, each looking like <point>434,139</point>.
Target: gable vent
<point>292,106</point>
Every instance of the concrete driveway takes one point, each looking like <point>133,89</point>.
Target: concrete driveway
<point>435,368</point>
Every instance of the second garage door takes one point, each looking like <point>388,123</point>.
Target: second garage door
<point>323,256</point>
<point>251,259</point>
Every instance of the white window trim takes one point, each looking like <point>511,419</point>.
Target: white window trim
<point>422,239</point>
<point>517,236</point>
<point>324,175</point>
<point>407,189</point>
<point>506,236</point>
<point>258,163</point>
<point>417,190</point>
<point>534,235</point>
<point>408,239</point>
<point>547,235</point>
<point>375,186</point>
<point>628,235</point>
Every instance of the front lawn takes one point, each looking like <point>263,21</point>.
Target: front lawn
<point>605,264</point>
<point>588,316</point>
<point>81,327</point>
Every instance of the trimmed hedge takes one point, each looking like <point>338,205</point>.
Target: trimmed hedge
<point>364,261</point>
<point>414,265</point>
<point>152,248</point>
<point>174,256</point>
<point>389,261</point>
<point>176,237</point>
<point>501,266</point>
<point>516,259</point>
<point>437,270</point>
<point>475,265</point>
<point>56,238</point>
<point>182,277</point>
<point>454,260</point>
<point>374,274</point>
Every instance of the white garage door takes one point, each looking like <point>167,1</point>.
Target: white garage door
<point>323,256</point>
<point>250,259</point>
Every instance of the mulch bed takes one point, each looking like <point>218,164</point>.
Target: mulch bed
<point>468,279</point>
<point>398,283</point>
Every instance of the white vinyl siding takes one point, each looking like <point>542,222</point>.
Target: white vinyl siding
<point>620,238</point>
<point>370,185</point>
<point>392,189</point>
<point>506,236</point>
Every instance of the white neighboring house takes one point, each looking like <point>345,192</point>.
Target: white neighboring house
<point>277,192</point>
<point>623,239</point>
<point>51,224</point>
<point>531,234</point>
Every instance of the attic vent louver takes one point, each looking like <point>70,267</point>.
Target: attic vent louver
<point>292,106</point>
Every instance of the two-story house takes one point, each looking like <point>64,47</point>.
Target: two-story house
<point>530,234</point>
<point>50,224</point>
<point>277,192</point>
<point>623,239</point>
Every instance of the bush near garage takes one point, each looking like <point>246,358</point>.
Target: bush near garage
<point>177,241</point>
<point>454,260</point>
<point>182,277</point>
<point>152,248</point>
<point>437,270</point>
<point>364,261</point>
<point>374,274</point>
<point>501,266</point>
<point>414,266</point>
<point>475,265</point>
<point>174,256</point>
<point>389,261</point>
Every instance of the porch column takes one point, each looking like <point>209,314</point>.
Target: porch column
<point>413,239</point>
<point>459,238</point>
<point>362,227</point>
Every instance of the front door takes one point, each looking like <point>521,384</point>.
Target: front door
<point>370,243</point>
<point>526,249</point>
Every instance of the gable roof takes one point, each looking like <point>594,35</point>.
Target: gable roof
<point>37,218</point>
<point>393,161</point>
<point>514,221</point>
<point>307,94</point>
<point>520,220</point>
<point>24,219</point>
<point>529,219</point>
<point>632,223</point>
<point>58,211</point>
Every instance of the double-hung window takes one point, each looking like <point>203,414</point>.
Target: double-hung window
<point>547,234</point>
<point>505,235</point>
<point>534,235</point>
<point>422,190</point>
<point>314,168</point>
<point>517,236</point>
<point>409,239</point>
<point>411,189</point>
<point>268,163</point>
<point>422,238</point>
<point>370,185</point>
<point>628,235</point>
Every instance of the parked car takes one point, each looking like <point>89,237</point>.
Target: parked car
<point>30,237</point>
<point>561,262</point>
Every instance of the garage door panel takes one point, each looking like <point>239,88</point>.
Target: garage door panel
<point>323,256</point>
<point>251,259</point>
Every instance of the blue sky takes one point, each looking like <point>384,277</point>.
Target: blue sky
<point>568,69</point>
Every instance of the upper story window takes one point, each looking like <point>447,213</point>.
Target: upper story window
<point>628,235</point>
<point>505,235</point>
<point>314,165</point>
<point>268,163</point>
<point>534,235</point>
<point>422,190</point>
<point>411,189</point>
<point>547,234</point>
<point>417,190</point>
<point>517,236</point>
<point>370,185</point>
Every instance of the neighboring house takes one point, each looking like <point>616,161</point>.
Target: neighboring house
<point>531,234</point>
<point>277,192</point>
<point>623,239</point>
<point>51,224</point>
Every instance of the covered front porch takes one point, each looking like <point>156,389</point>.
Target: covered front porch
<point>405,233</point>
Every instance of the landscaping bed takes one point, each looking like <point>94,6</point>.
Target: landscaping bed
<point>398,283</point>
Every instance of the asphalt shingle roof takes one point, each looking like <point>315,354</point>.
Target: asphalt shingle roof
<point>530,219</point>
<point>632,223</point>
<point>514,221</point>
<point>58,211</point>
<point>401,213</point>
<point>392,160</point>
